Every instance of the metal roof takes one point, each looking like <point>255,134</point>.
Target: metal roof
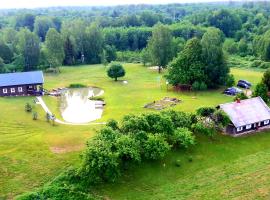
<point>246,112</point>
<point>21,78</point>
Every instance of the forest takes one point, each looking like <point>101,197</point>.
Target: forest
<point>151,34</point>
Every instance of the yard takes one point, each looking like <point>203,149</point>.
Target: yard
<point>33,152</point>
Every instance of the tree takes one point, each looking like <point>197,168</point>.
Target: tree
<point>183,137</point>
<point>266,79</point>
<point>243,47</point>
<point>93,44</point>
<point>54,48</point>
<point>69,52</point>
<point>42,25</point>
<point>5,53</point>
<point>110,53</point>
<point>230,46</point>
<point>2,66</point>
<point>160,46</point>
<point>261,91</point>
<point>28,47</point>
<point>25,21</point>
<point>226,21</point>
<point>188,66</point>
<point>215,68</point>
<point>115,71</point>
<point>155,147</point>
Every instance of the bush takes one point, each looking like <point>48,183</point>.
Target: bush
<point>261,90</point>
<point>155,147</point>
<point>28,107</point>
<point>115,71</point>
<point>240,96</point>
<point>190,159</point>
<point>183,137</point>
<point>77,85</point>
<point>112,124</point>
<point>129,56</point>
<point>200,128</point>
<point>230,81</point>
<point>199,86</point>
<point>35,115</point>
<point>256,63</point>
<point>205,111</point>
<point>179,119</point>
<point>221,118</point>
<point>265,65</point>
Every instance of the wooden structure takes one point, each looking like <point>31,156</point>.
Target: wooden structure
<point>21,84</point>
<point>247,116</point>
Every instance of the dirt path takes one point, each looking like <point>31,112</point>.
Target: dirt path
<point>47,110</point>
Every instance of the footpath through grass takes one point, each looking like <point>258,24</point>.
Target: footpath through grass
<point>33,152</point>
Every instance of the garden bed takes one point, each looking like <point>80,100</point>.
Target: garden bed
<point>162,104</point>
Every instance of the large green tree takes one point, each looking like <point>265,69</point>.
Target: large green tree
<point>28,46</point>
<point>54,48</point>
<point>216,68</point>
<point>160,46</point>
<point>42,25</point>
<point>93,44</point>
<point>188,66</point>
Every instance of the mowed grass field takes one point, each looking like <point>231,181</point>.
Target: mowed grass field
<point>33,152</point>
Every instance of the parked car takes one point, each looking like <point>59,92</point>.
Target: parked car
<point>244,84</point>
<point>232,91</point>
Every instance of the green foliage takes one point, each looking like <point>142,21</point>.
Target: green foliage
<point>188,66</point>
<point>160,46</point>
<point>115,71</point>
<point>230,46</point>
<point>230,80</point>
<point>70,54</point>
<point>42,26</point>
<point>178,163</point>
<point>77,85</point>
<point>28,107</point>
<point>134,124</point>
<point>110,53</point>
<point>261,91</point>
<point>266,78</point>
<point>5,53</point>
<point>205,111</point>
<point>226,21</point>
<point>112,124</point>
<point>35,116</point>
<point>183,138</point>
<point>93,44</point>
<point>155,147</point>
<point>54,48</point>
<point>216,69</point>
<point>200,128</point>
<point>179,119</point>
<point>199,86</point>
<point>241,96</point>
<point>221,118</point>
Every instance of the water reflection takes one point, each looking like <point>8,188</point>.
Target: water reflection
<point>77,108</point>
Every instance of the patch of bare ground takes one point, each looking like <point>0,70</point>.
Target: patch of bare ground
<point>67,149</point>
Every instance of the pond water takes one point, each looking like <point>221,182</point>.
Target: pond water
<point>76,107</point>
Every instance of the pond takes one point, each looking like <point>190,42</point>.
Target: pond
<point>76,107</point>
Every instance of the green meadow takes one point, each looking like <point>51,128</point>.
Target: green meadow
<point>34,152</point>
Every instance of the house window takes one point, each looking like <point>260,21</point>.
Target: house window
<point>12,90</point>
<point>266,122</point>
<point>20,89</point>
<point>5,90</point>
<point>239,129</point>
<point>248,126</point>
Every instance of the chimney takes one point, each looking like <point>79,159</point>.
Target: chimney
<point>238,100</point>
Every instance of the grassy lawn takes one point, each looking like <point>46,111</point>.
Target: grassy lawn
<point>33,152</point>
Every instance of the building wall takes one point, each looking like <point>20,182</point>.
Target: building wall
<point>24,91</point>
<point>254,127</point>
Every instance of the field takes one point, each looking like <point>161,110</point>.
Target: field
<point>33,152</point>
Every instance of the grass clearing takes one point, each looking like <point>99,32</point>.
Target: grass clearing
<point>29,150</point>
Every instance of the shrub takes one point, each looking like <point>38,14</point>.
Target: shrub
<point>266,78</point>
<point>199,86</point>
<point>133,124</point>
<point>35,115</point>
<point>28,107</point>
<point>205,111</point>
<point>256,63</point>
<point>200,128</point>
<point>112,124</point>
<point>179,119</point>
<point>241,96</point>
<point>115,71</point>
<point>265,65</point>
<point>261,90</point>
<point>221,118</point>
<point>230,81</point>
<point>183,137</point>
<point>77,85</point>
<point>155,147</point>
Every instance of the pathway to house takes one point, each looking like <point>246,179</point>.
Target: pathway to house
<point>47,110</point>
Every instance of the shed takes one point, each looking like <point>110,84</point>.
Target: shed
<point>247,115</point>
<point>21,84</point>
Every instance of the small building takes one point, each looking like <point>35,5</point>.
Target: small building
<point>21,84</point>
<point>247,116</point>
